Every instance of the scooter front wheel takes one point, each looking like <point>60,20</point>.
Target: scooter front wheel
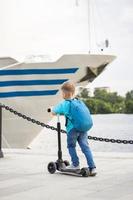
<point>52,167</point>
<point>66,162</point>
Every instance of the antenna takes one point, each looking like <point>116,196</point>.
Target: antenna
<point>106,43</point>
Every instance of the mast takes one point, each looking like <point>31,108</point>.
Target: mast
<point>89,27</point>
<point>88,21</point>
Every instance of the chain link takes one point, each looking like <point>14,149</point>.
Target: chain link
<point>111,140</point>
<point>34,121</point>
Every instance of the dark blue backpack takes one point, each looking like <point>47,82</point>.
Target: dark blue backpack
<point>80,115</point>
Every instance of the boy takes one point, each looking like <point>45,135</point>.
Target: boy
<point>73,135</point>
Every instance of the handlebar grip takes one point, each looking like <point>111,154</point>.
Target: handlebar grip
<point>49,110</point>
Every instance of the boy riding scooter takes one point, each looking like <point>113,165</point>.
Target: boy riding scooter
<point>78,122</point>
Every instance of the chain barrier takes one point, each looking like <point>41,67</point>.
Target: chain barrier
<point>34,121</point>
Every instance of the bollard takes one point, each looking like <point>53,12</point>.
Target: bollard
<point>1,153</point>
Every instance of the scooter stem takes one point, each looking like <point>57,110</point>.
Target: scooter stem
<point>59,139</point>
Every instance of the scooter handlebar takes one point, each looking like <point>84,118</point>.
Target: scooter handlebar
<point>49,109</point>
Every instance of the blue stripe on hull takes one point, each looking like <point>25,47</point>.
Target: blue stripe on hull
<point>36,71</point>
<point>31,82</point>
<point>27,93</point>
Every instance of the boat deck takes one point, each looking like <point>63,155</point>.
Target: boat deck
<point>24,175</point>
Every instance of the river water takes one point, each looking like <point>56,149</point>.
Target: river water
<point>116,126</point>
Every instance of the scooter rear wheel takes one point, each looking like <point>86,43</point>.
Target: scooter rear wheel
<point>85,172</point>
<point>52,167</point>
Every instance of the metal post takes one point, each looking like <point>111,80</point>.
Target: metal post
<point>1,153</point>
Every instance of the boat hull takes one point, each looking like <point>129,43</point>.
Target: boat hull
<point>31,93</point>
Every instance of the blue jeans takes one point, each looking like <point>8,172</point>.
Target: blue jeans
<point>73,137</point>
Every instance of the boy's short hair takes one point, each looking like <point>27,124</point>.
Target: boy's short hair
<point>68,87</point>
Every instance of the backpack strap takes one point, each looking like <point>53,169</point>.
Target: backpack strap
<point>67,118</point>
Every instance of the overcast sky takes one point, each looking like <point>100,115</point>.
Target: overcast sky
<point>55,27</point>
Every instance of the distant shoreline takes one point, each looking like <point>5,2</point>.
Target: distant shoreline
<point>104,102</point>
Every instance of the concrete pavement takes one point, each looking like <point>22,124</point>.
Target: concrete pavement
<point>24,176</point>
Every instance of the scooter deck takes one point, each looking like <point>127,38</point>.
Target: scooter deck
<point>71,172</point>
<point>78,172</point>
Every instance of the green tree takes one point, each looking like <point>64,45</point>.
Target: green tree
<point>115,102</point>
<point>129,95</point>
<point>129,107</point>
<point>118,107</point>
<point>84,93</point>
<point>103,107</point>
<point>101,94</point>
<point>129,102</point>
<point>108,102</point>
<point>92,105</point>
<point>98,106</point>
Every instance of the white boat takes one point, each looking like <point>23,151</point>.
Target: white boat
<point>30,88</point>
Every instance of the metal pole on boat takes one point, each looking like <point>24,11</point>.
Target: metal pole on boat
<point>89,26</point>
<point>1,153</point>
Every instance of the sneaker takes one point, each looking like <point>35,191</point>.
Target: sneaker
<point>92,172</point>
<point>72,167</point>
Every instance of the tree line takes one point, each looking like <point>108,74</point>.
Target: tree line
<point>104,102</point>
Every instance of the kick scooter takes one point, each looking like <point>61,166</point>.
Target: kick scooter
<point>60,164</point>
